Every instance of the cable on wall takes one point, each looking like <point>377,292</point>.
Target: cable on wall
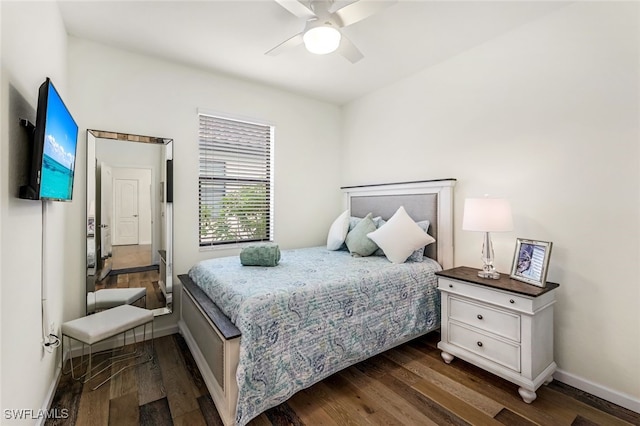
<point>49,340</point>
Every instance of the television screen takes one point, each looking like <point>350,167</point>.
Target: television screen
<point>58,147</point>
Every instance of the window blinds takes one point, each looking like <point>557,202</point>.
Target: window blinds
<point>234,181</point>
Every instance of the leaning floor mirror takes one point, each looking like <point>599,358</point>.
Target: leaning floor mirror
<point>129,222</point>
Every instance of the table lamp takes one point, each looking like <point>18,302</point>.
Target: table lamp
<point>487,215</point>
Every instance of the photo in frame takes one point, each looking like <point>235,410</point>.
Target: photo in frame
<point>91,226</point>
<point>531,261</point>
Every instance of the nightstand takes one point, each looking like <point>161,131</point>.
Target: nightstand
<point>503,326</point>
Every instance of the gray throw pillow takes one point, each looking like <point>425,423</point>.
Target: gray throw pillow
<point>357,241</point>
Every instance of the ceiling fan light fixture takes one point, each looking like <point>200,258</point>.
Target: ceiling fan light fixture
<point>322,39</point>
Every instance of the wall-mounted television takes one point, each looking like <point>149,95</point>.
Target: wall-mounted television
<point>55,139</point>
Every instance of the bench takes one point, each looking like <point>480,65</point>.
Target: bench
<point>111,297</point>
<point>103,325</point>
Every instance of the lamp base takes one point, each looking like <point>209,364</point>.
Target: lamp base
<point>488,270</point>
<point>489,274</point>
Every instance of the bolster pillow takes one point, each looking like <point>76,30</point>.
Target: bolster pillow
<point>267,254</point>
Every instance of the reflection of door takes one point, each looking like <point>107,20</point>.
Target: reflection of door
<point>126,212</point>
<point>106,208</point>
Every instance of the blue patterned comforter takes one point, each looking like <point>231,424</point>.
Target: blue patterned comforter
<point>314,314</point>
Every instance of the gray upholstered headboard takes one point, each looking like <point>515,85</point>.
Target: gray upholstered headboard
<point>419,206</point>
<point>426,200</point>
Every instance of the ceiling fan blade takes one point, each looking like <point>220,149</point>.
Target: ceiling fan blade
<point>297,8</point>
<point>349,50</point>
<point>287,44</point>
<point>359,10</point>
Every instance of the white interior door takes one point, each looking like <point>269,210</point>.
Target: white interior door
<point>106,209</point>
<point>126,211</point>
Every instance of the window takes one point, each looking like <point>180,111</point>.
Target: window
<point>235,190</point>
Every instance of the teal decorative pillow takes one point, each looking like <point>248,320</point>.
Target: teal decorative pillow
<point>353,221</point>
<point>264,254</point>
<point>357,241</point>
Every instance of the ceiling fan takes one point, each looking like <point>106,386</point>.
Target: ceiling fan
<point>324,19</point>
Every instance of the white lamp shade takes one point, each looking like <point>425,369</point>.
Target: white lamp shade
<point>487,215</point>
<point>322,40</point>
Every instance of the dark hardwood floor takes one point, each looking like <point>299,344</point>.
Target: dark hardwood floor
<point>409,385</point>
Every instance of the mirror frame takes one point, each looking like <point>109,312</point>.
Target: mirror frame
<point>166,200</point>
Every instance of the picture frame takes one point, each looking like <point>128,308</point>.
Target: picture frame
<point>91,226</point>
<point>531,261</point>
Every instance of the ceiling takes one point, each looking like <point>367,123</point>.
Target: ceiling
<point>231,37</point>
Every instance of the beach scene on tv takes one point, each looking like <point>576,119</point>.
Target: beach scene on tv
<point>58,162</point>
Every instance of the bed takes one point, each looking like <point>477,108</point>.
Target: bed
<point>273,331</point>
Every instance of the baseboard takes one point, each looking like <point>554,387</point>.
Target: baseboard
<point>618,398</point>
<point>135,269</point>
<point>49,397</point>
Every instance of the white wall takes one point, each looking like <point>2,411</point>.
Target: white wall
<point>546,115</point>
<point>130,93</point>
<point>34,46</point>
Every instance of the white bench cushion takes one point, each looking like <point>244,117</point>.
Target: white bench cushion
<point>105,324</point>
<point>110,297</point>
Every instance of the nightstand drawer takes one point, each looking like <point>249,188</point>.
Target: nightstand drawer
<point>495,321</point>
<point>486,294</point>
<point>503,353</point>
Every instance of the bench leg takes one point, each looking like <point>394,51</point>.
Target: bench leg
<point>73,369</point>
<point>90,374</point>
<point>130,356</point>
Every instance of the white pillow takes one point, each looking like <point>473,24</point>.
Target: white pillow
<point>400,237</point>
<point>338,231</point>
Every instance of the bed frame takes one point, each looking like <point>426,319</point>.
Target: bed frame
<point>214,340</point>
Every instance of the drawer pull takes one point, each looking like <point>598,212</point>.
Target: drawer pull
<point>450,285</point>
<point>480,344</point>
<point>479,316</point>
<point>512,301</point>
